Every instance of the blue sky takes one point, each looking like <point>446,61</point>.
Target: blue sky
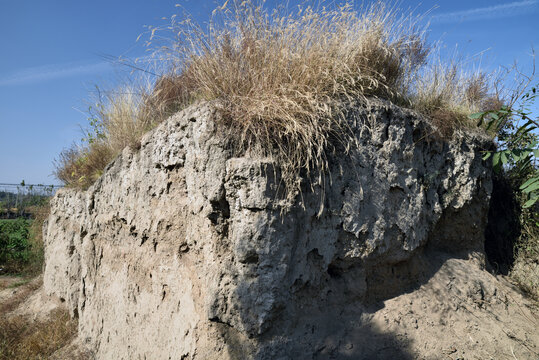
<point>53,53</point>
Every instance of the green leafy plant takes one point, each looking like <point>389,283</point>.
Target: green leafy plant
<point>517,140</point>
<point>14,244</point>
<point>21,243</point>
<point>515,128</point>
<point>96,130</point>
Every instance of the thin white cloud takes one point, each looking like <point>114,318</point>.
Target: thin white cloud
<point>490,12</point>
<point>51,72</point>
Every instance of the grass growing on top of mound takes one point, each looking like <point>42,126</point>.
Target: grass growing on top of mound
<point>281,79</point>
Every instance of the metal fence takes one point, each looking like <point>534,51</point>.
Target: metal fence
<point>17,200</point>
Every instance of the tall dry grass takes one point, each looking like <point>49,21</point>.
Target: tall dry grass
<point>283,79</point>
<point>81,165</point>
<point>118,119</point>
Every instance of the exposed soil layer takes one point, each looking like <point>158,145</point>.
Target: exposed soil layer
<point>184,250</point>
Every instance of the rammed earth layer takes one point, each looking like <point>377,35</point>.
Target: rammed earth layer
<point>181,250</point>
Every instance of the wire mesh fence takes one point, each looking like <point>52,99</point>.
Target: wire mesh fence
<point>19,200</point>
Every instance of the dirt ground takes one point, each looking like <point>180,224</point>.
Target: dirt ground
<point>461,312</point>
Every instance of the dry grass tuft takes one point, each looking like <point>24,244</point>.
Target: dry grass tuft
<point>525,269</point>
<point>20,338</point>
<point>117,120</point>
<point>121,117</point>
<point>282,80</point>
<point>447,95</point>
<point>81,166</point>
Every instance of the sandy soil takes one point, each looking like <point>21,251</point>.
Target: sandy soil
<point>8,281</point>
<point>461,312</point>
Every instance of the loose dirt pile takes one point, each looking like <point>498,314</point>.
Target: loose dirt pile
<point>461,312</point>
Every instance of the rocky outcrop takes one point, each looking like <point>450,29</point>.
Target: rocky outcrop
<point>182,251</point>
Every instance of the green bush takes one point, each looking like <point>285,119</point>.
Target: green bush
<point>517,138</point>
<point>15,247</point>
<point>515,159</point>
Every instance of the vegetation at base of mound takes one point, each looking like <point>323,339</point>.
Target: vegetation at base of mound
<point>281,79</point>
<point>14,246</point>
<point>525,270</point>
<point>21,243</point>
<point>28,337</point>
<point>515,161</point>
<point>22,338</point>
